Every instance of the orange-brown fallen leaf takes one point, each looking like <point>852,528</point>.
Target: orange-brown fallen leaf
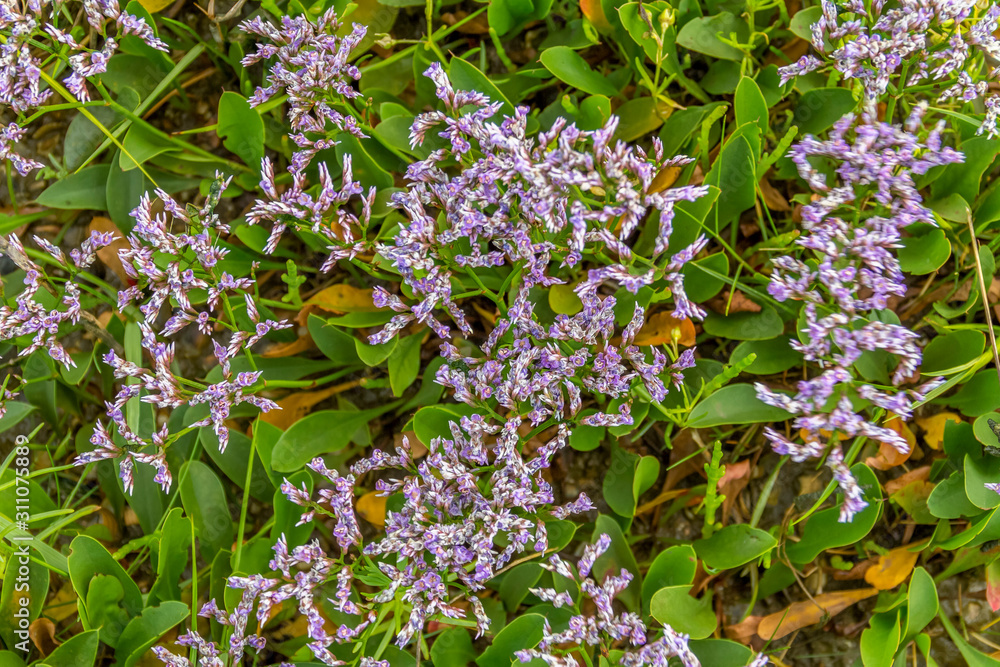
<point>922,473</point>
<point>892,569</point>
<point>743,631</point>
<point>934,426</point>
<point>888,456</point>
<point>773,199</point>
<point>109,253</point>
<point>371,508</point>
<point>42,632</point>
<point>301,344</point>
<point>733,481</point>
<point>740,303</point>
<point>810,612</point>
<point>338,299</point>
<point>662,329</point>
<point>296,406</point>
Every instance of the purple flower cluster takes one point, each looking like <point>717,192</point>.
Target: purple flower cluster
<point>26,25</point>
<point>167,267</point>
<point>326,214</point>
<point>539,206</point>
<point>311,67</point>
<point>31,318</point>
<point>851,231</point>
<point>606,628</point>
<point>944,44</point>
<point>464,500</point>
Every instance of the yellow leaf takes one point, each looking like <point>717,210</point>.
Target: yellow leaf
<point>296,406</point>
<point>153,6</point>
<point>891,569</point>
<point>343,299</point>
<point>664,179</point>
<point>371,507</point>
<point>594,12</point>
<point>934,425</point>
<point>662,328</point>
<point>810,612</point>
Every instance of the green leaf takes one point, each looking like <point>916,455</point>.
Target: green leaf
<point>674,566</point>
<point>465,76</point>
<point>515,584</point>
<point>34,587</point>
<point>404,363</point>
<point>146,629</point>
<point>984,433</point>
<point>323,432</point>
<point>700,285</point>
<point>948,499</point>
<point>365,169</point>
<point>818,109</point>
<point>82,190</point>
<point>452,648</point>
<point>617,483</point>
<point>618,556</point>
<point>880,640</point>
<point>567,66</point>
<point>373,355</point>
<point>522,633</point>
<point>734,173</point>
<point>123,191</point>
<point>979,471</point>
<point>104,609</point>
<point>801,23</point>
<point>674,606</point>
<point>205,502</point>
<point>78,651</point>
<point>972,657</point>
<point>16,411</point>
<point>734,404</point>
<point>979,395</point>
<point>720,652</point>
<point>83,137</point>
<point>233,462</point>
<point>823,530</point>
<point>921,604</point>
<point>338,346</point>
<point>432,421</point>
<point>745,325</point>
<point>88,559</point>
<point>952,207</point>
<point>142,144</point>
<point>702,35</point>
<point>734,546</point>
<point>584,438</point>
<point>952,352</point>
<point>749,105</point>
<point>172,552</point>
<point>638,117</point>
<point>925,251</point>
<point>964,178</point>
<point>773,356</point>
<point>241,129</point>
<point>564,301</point>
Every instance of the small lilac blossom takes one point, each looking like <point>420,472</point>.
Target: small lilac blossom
<point>461,502</point>
<point>605,628</point>
<point>539,207</point>
<point>852,231</point>
<point>910,44</point>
